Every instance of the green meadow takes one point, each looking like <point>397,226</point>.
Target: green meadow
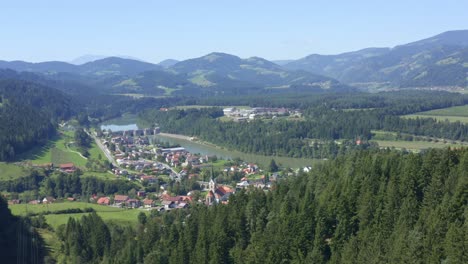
<point>10,171</point>
<point>124,216</point>
<point>414,145</point>
<point>60,149</point>
<point>111,214</point>
<point>452,114</point>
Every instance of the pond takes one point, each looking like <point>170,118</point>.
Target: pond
<point>129,123</point>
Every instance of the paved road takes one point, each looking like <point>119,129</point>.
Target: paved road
<point>169,168</point>
<point>112,160</point>
<point>104,149</point>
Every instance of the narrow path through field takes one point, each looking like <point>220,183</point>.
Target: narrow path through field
<point>68,148</point>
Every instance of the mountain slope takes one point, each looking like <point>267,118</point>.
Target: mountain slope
<point>28,114</point>
<point>220,70</point>
<point>116,66</point>
<point>99,68</point>
<point>215,73</point>
<point>436,61</point>
<point>168,63</point>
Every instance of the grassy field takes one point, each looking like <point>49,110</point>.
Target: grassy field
<point>10,171</point>
<point>452,114</point>
<point>102,175</point>
<point>413,145</point>
<point>23,209</point>
<point>117,215</point>
<point>208,106</point>
<point>55,151</point>
<point>125,216</point>
<point>440,118</point>
<point>60,150</point>
<point>451,111</point>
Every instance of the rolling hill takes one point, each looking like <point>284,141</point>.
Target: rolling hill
<point>215,73</point>
<point>439,61</point>
<point>109,66</point>
<point>224,71</point>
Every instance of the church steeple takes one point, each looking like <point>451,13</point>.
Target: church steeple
<point>212,184</point>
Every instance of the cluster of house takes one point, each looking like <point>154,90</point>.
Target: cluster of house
<point>138,165</point>
<point>65,167</point>
<point>246,168</point>
<point>180,157</point>
<point>130,148</point>
<point>217,193</point>
<point>45,200</point>
<point>239,114</point>
<point>134,133</point>
<point>165,203</point>
<point>119,200</point>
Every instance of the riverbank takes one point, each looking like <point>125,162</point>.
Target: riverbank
<point>194,145</point>
<point>206,148</point>
<point>178,136</point>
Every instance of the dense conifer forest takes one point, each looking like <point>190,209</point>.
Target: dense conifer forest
<point>365,207</point>
<point>19,242</point>
<point>29,113</point>
<point>326,118</point>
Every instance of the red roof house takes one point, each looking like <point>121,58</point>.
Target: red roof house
<point>103,201</point>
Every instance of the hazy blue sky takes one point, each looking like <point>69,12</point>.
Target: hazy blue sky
<point>155,30</point>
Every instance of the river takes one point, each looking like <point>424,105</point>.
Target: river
<point>128,122</point>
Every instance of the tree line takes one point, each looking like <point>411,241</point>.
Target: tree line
<point>313,137</point>
<point>366,207</point>
<point>62,185</point>
<point>19,242</point>
<point>28,114</point>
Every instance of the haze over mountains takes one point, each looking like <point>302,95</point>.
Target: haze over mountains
<point>439,61</point>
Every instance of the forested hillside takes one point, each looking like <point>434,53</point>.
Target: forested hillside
<point>19,243</point>
<point>366,207</point>
<point>437,61</point>
<point>326,119</point>
<point>28,114</point>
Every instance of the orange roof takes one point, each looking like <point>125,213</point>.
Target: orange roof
<point>103,200</point>
<point>120,197</point>
<point>67,165</point>
<point>148,201</point>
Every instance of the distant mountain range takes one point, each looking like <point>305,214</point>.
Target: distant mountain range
<point>90,58</point>
<point>215,73</point>
<point>168,63</point>
<point>439,61</point>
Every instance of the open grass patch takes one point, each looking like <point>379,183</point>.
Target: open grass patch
<point>415,146</point>
<point>9,171</point>
<point>102,175</point>
<point>24,209</point>
<point>451,114</point>
<point>60,149</point>
<point>123,217</point>
<point>461,119</point>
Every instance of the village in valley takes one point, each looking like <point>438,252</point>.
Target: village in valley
<point>165,176</point>
<point>168,176</point>
<point>208,180</point>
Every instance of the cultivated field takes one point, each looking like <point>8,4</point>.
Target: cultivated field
<point>114,214</point>
<point>125,216</point>
<point>60,150</point>
<point>414,145</point>
<point>11,171</point>
<point>208,106</point>
<point>452,114</point>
